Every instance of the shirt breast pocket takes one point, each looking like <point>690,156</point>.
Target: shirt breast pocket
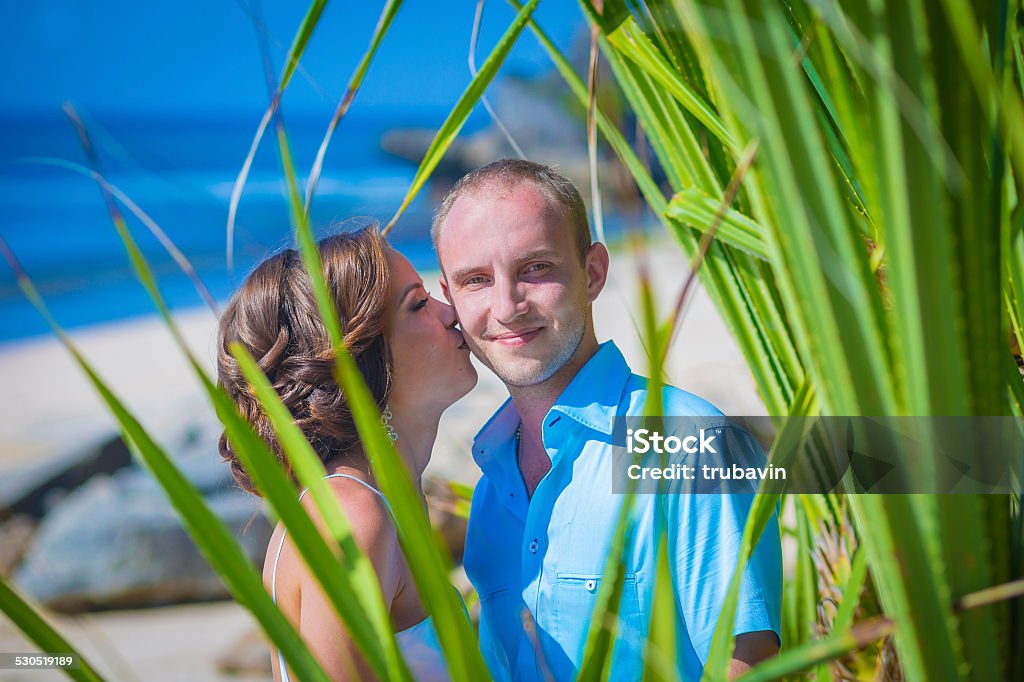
<point>575,596</point>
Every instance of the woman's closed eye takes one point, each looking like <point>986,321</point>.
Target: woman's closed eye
<point>422,302</point>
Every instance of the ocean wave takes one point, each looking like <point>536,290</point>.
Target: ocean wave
<point>384,187</point>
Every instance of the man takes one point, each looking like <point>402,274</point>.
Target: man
<point>519,267</point>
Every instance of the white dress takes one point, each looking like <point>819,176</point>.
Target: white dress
<point>419,644</point>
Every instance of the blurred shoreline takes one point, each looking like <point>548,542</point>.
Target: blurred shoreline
<point>54,408</point>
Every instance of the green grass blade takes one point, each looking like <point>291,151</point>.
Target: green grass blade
<point>911,583</point>
<point>790,433</point>
<point>630,41</point>
<point>810,654</point>
<point>387,15</point>
<point>648,187</point>
<point>210,534</point>
<point>660,652</point>
<point>298,46</point>
<point>453,124</point>
<point>978,560</point>
<point>599,647</point>
<point>34,626</point>
<point>831,296</point>
<point>717,665</point>
<point>300,41</point>
<point>428,562</point>
<point>852,592</point>
<point>1015,385</point>
<point>429,565</point>
<point>694,208</point>
<point>804,583</point>
<point>353,587</point>
<point>597,653</point>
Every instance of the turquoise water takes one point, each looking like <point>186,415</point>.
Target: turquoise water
<point>177,101</point>
<point>181,173</point>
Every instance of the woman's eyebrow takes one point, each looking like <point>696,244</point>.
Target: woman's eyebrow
<point>411,287</point>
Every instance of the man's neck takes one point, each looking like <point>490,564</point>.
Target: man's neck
<point>533,402</point>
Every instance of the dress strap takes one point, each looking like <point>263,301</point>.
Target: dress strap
<point>280,546</point>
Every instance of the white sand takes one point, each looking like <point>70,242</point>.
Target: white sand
<point>171,644</point>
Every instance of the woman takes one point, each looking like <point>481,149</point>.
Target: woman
<point>415,363</point>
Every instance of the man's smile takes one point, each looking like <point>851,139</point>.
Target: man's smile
<point>517,338</point>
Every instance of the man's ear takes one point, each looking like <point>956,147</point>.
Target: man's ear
<point>596,265</point>
<point>444,288</point>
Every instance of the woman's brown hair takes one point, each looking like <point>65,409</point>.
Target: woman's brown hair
<point>275,316</point>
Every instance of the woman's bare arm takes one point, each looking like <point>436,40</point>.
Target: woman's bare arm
<point>319,624</point>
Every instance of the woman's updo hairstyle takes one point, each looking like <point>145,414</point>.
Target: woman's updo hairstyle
<point>275,316</point>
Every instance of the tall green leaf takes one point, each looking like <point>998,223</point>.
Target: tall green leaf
<point>458,115</point>
<point>210,534</point>
<point>631,42</point>
<point>695,209</point>
<point>352,587</point>
<point>299,42</point>
<point>428,563</point>
<point>387,15</point>
<point>36,628</point>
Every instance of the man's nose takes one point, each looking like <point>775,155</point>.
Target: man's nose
<point>509,301</point>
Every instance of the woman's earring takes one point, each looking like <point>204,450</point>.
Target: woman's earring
<point>385,419</point>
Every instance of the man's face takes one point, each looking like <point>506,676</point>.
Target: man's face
<point>512,271</point>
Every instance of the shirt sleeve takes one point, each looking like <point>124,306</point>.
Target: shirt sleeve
<point>494,655</point>
<point>704,535</point>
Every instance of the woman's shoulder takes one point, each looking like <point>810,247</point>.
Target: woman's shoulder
<point>363,505</point>
<point>365,514</point>
<point>364,509</point>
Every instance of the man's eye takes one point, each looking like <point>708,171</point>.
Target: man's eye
<point>537,267</point>
<point>473,281</point>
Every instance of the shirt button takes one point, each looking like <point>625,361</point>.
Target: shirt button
<point>591,585</point>
<point>533,546</point>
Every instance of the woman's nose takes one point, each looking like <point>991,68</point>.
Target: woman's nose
<point>448,316</point>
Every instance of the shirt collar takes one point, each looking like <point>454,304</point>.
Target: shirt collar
<point>591,399</point>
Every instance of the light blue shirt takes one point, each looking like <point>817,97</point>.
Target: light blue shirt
<point>537,563</point>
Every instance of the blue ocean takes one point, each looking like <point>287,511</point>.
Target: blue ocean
<point>181,173</point>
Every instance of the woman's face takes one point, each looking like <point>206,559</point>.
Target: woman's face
<point>430,358</point>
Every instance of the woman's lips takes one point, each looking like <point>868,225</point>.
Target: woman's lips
<point>519,338</point>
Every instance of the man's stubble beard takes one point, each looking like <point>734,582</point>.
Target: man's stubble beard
<point>551,366</point>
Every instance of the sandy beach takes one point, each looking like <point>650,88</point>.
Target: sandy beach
<point>49,409</point>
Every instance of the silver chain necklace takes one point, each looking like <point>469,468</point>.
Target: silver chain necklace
<point>519,445</point>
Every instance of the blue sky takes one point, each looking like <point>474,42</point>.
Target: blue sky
<point>195,58</point>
